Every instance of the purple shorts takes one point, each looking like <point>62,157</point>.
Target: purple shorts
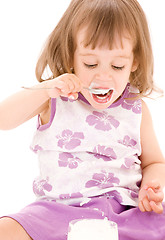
<point>48,220</point>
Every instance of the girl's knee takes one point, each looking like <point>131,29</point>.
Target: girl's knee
<point>11,229</point>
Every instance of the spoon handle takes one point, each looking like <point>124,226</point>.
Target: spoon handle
<point>92,90</point>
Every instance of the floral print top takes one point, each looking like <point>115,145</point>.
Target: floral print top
<point>84,152</point>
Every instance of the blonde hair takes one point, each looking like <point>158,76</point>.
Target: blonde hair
<point>101,17</point>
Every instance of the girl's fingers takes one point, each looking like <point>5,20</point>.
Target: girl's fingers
<point>156,207</point>
<point>147,205</point>
<point>141,207</point>
<point>151,197</point>
<point>66,85</point>
<point>73,96</point>
<point>142,194</point>
<point>154,184</point>
<point>155,196</point>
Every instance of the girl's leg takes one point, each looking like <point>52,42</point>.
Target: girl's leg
<point>11,229</point>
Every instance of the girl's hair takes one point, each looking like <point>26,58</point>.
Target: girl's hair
<point>102,18</point>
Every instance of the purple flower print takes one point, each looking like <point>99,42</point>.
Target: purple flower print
<point>40,186</point>
<point>107,154</point>
<point>128,142</point>
<point>67,159</point>
<point>66,99</point>
<point>102,121</point>
<point>134,105</point>
<point>128,163</point>
<point>37,148</point>
<point>114,194</point>
<point>73,195</point>
<point>69,139</point>
<point>102,180</point>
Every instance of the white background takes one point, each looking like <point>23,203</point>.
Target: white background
<point>24,27</point>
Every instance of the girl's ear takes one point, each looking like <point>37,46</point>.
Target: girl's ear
<point>135,65</point>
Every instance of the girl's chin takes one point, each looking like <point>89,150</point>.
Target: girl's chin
<point>100,106</point>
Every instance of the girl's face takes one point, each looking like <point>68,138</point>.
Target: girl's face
<point>104,68</point>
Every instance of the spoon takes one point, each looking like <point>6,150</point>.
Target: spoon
<point>98,90</point>
<point>92,90</point>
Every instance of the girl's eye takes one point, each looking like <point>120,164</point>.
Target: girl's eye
<point>117,67</point>
<point>90,65</point>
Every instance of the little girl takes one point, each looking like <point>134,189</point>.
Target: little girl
<point>98,154</point>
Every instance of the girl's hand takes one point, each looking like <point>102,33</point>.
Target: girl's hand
<point>151,197</point>
<point>66,85</point>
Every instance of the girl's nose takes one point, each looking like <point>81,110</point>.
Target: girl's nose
<point>104,74</point>
<point>103,77</point>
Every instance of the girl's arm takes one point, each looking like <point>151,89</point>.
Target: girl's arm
<point>22,106</point>
<point>153,166</point>
<point>25,104</point>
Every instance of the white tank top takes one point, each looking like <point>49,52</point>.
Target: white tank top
<point>84,152</point>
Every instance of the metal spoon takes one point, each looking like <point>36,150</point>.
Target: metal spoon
<point>98,90</point>
<point>92,90</point>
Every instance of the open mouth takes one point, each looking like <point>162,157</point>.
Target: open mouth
<point>103,97</point>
